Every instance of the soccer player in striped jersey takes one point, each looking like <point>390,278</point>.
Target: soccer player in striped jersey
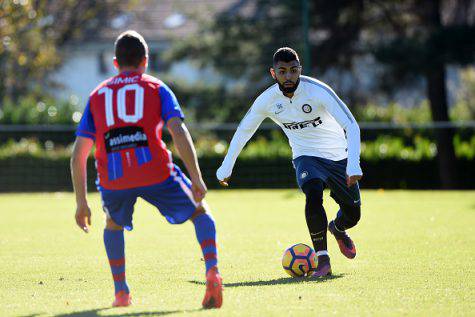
<point>124,117</point>
<point>325,141</point>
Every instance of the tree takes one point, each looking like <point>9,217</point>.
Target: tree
<point>241,40</point>
<point>424,47</point>
<point>32,34</point>
<point>409,37</point>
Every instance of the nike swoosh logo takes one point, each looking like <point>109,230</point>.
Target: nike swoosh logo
<point>357,201</point>
<point>277,112</point>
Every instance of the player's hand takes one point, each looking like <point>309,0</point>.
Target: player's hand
<point>223,175</point>
<point>198,187</point>
<point>83,217</point>
<point>351,180</point>
<point>224,182</point>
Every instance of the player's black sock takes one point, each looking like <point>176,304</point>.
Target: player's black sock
<point>315,214</point>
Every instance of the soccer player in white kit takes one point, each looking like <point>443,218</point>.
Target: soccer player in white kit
<point>325,141</point>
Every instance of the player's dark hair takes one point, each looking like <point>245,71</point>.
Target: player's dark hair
<point>285,54</point>
<point>130,49</point>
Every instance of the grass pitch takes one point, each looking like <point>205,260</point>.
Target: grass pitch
<point>416,256</point>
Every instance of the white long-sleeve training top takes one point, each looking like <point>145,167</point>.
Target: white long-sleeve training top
<point>314,120</point>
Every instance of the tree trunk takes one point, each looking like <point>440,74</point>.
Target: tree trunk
<point>437,93</point>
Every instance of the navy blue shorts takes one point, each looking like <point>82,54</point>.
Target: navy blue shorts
<point>172,197</point>
<point>332,173</point>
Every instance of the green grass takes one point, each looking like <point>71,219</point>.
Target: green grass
<point>416,256</point>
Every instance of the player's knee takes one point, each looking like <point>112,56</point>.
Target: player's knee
<point>352,215</point>
<point>312,185</point>
<point>111,225</point>
<point>313,189</point>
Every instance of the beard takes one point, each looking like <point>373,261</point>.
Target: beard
<point>288,90</point>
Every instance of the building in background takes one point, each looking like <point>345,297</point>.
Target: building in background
<point>89,62</point>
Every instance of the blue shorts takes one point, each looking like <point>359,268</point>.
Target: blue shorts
<point>332,173</point>
<point>172,197</point>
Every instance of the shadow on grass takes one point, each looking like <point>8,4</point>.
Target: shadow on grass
<point>279,281</point>
<point>96,312</point>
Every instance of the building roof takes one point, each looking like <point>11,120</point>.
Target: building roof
<point>160,20</point>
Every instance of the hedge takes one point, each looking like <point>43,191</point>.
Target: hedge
<point>25,173</point>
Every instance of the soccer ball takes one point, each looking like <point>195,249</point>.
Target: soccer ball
<point>299,259</point>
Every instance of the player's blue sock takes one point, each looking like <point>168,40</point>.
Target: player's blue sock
<point>114,242</point>
<point>206,234</point>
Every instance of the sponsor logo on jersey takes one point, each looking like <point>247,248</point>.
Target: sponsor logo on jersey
<point>124,138</point>
<point>307,108</point>
<point>279,108</point>
<point>304,124</point>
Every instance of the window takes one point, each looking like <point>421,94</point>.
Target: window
<point>101,59</point>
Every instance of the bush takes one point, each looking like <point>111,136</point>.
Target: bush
<point>394,113</point>
<point>33,110</point>
<point>416,148</point>
<point>384,147</point>
<point>33,149</point>
<point>26,173</point>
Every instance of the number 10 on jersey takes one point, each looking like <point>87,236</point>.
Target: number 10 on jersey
<point>121,104</point>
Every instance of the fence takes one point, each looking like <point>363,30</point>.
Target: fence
<point>36,158</point>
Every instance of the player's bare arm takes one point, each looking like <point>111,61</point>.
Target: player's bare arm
<point>82,148</point>
<point>184,145</point>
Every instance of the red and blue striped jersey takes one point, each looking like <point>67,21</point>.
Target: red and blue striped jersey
<point>125,115</point>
